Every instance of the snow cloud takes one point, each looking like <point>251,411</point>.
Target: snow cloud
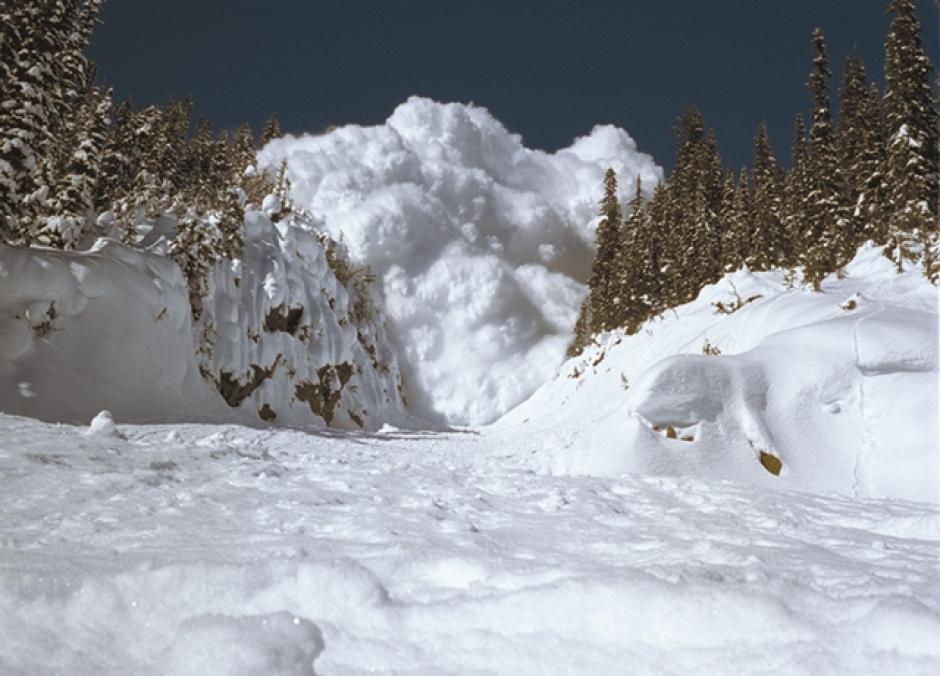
<point>482,245</point>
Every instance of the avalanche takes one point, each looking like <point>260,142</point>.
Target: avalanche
<point>481,245</point>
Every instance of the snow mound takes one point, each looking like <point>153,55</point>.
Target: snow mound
<point>102,425</point>
<point>482,244</point>
<point>281,337</point>
<point>824,392</point>
<point>278,644</point>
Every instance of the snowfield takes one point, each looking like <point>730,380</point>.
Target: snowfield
<point>188,549</point>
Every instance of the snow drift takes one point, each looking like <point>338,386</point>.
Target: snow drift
<point>281,338</point>
<point>482,244</point>
<point>832,391</point>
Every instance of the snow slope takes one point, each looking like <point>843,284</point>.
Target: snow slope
<point>279,339</point>
<point>482,244</point>
<point>839,388</point>
<point>187,549</point>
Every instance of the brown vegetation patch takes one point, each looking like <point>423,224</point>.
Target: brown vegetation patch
<point>235,392</point>
<point>771,463</point>
<point>267,413</point>
<point>283,319</point>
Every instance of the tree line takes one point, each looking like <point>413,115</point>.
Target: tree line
<point>872,174</point>
<point>73,166</point>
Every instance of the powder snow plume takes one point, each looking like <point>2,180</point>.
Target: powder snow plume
<point>482,245</point>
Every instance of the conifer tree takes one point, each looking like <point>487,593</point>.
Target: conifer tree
<point>795,194</point>
<point>71,206</point>
<point>602,283</point>
<point>739,218</point>
<point>768,242</point>
<point>826,224</point>
<point>911,119</point>
<point>631,284</point>
<point>271,131</point>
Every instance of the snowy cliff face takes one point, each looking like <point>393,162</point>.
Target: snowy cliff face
<point>482,245</point>
<point>281,337</point>
<point>762,383</point>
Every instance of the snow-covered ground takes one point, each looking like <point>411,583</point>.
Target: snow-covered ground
<point>824,392</point>
<point>190,549</point>
<point>481,244</point>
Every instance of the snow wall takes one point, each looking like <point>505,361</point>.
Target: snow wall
<point>482,245</point>
<point>110,328</point>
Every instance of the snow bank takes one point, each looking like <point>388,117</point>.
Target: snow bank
<point>483,245</point>
<point>280,339</point>
<point>832,391</point>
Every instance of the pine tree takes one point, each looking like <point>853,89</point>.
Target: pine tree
<point>271,131</point>
<point>768,241</point>
<point>739,219</point>
<point>911,119</point>
<point>71,207</point>
<point>602,283</point>
<point>631,290</point>
<point>826,223</point>
<point>795,194</point>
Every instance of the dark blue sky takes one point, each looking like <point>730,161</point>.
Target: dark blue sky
<point>549,69</point>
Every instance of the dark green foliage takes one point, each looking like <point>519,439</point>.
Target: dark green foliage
<point>873,175</point>
<point>911,171</point>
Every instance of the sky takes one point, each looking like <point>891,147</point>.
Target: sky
<point>548,69</point>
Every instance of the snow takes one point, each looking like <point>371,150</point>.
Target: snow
<point>224,549</point>
<point>619,521</point>
<point>840,387</point>
<point>482,245</point>
<point>110,328</point>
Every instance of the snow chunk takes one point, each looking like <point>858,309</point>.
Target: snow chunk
<point>102,425</point>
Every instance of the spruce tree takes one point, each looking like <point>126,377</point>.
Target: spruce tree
<point>826,224</point>
<point>602,283</point>
<point>795,194</point>
<point>912,173</point>
<point>271,131</point>
<point>768,241</point>
<point>71,207</point>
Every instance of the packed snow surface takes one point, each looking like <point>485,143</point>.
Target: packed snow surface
<point>188,549</point>
<point>827,392</point>
<point>482,245</point>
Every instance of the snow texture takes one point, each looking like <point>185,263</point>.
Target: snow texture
<point>111,329</point>
<point>195,549</point>
<point>838,387</point>
<point>483,245</point>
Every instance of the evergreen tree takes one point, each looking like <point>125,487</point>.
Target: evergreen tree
<point>912,173</point>
<point>739,218</point>
<point>271,131</point>
<point>768,242</point>
<point>795,194</point>
<point>602,283</point>
<point>826,225</point>
<point>71,207</point>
